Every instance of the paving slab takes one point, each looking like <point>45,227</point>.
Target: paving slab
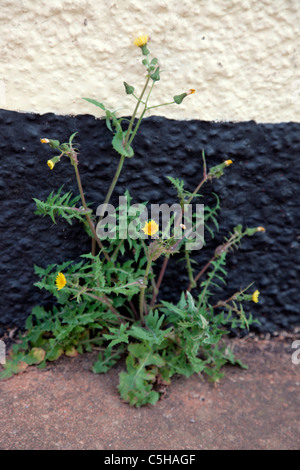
<point>65,406</point>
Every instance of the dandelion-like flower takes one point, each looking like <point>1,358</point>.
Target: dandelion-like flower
<point>50,164</point>
<point>45,141</point>
<point>260,229</point>
<point>228,162</point>
<point>191,91</point>
<point>255,296</point>
<point>60,281</point>
<point>141,41</point>
<point>150,228</point>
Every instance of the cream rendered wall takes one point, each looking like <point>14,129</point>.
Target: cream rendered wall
<point>242,56</point>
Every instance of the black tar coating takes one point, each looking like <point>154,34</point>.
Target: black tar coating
<point>261,188</point>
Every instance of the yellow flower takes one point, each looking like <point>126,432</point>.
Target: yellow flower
<point>60,281</point>
<point>150,228</point>
<point>260,229</point>
<point>45,141</point>
<point>141,41</point>
<point>191,91</point>
<point>255,296</point>
<point>228,162</point>
<point>50,164</point>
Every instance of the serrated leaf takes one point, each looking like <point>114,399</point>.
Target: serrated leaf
<point>107,360</point>
<point>136,385</point>
<point>118,142</point>
<point>117,335</point>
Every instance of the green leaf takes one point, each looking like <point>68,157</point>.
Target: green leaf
<point>136,385</point>
<point>107,359</point>
<point>55,350</point>
<point>117,335</point>
<point>96,103</point>
<point>72,138</point>
<point>61,205</point>
<point>118,144</point>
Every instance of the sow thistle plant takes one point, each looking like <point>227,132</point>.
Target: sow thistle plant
<point>111,301</point>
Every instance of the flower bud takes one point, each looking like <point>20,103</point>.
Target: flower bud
<point>141,41</point>
<point>54,144</point>
<point>129,89</point>
<point>255,295</point>
<point>65,147</point>
<point>252,231</point>
<point>179,98</point>
<point>51,163</point>
<point>155,76</point>
<point>217,171</point>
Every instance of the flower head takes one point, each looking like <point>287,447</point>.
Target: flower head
<point>141,41</point>
<point>50,164</point>
<point>45,141</point>
<point>255,296</point>
<point>178,99</point>
<point>150,228</point>
<point>260,229</point>
<point>60,281</point>
<point>228,162</point>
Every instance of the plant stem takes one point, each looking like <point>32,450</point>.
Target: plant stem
<point>159,105</point>
<point>199,304</point>
<point>88,218</point>
<point>160,278</point>
<point>189,269</point>
<point>107,302</point>
<point>135,111</point>
<point>121,161</point>
<point>166,260</point>
<point>205,267</point>
<point>135,314</point>
<point>138,98</point>
<point>222,303</point>
<point>143,288</point>
<point>143,113</point>
<point>137,126</point>
<point>114,255</point>
<point>114,182</point>
<point>151,270</point>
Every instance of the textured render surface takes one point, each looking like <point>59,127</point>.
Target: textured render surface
<point>242,57</point>
<point>260,188</point>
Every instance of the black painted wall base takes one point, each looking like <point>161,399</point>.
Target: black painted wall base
<point>260,188</point>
